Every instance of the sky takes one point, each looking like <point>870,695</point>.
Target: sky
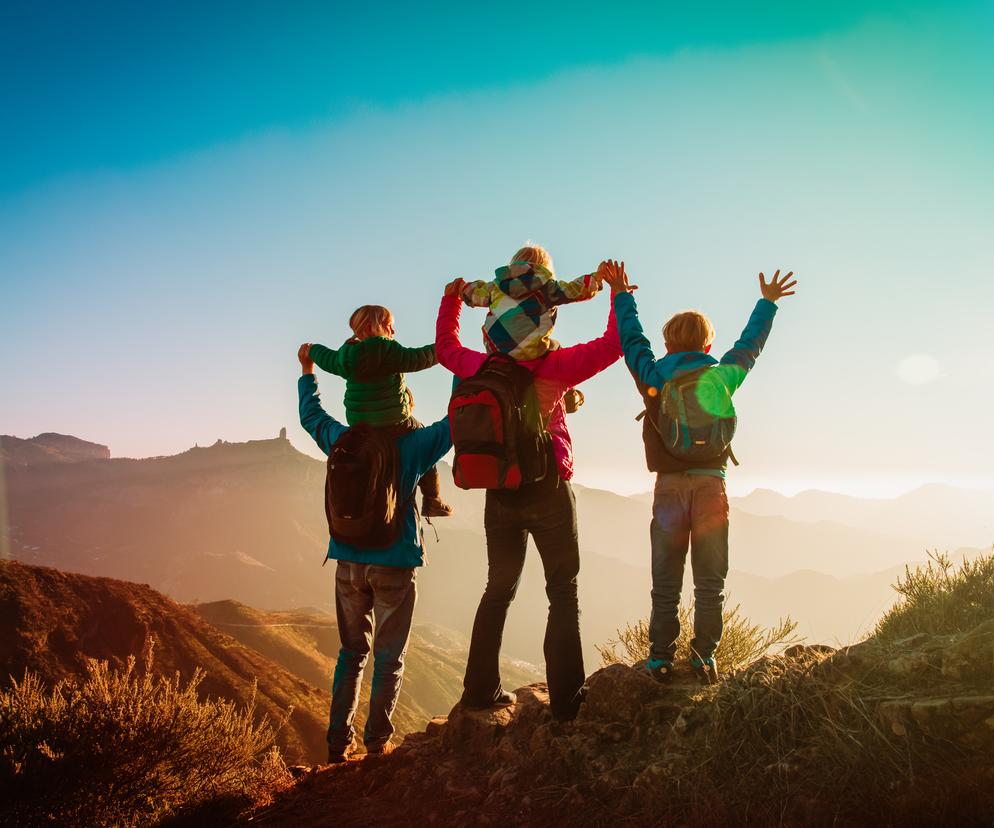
<point>188,191</point>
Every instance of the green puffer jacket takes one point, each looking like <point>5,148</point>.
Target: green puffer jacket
<point>373,370</point>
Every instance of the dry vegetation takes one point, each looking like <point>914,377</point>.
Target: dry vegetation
<point>126,747</point>
<point>742,642</point>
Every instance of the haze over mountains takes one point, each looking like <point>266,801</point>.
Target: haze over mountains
<point>246,522</point>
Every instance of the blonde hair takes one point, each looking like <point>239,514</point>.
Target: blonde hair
<point>688,331</point>
<point>534,254</point>
<point>368,319</point>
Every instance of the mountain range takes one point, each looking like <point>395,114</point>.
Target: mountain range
<point>246,522</point>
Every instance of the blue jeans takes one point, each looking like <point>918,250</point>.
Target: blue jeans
<point>688,510</point>
<point>364,593</point>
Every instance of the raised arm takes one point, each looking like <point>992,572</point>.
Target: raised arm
<point>739,361</point>
<point>323,428</point>
<point>574,290</point>
<point>639,358</point>
<point>578,363</point>
<point>328,359</point>
<point>476,294</point>
<point>459,360</point>
<point>394,358</point>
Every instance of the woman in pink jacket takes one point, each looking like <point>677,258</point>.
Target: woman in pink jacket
<point>546,510</point>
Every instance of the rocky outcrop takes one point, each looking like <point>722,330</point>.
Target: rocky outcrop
<point>637,746</point>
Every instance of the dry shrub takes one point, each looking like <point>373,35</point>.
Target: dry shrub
<point>940,599</point>
<point>126,747</point>
<point>742,642</point>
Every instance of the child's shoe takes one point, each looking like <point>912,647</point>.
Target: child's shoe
<point>705,669</point>
<point>434,507</point>
<point>661,669</point>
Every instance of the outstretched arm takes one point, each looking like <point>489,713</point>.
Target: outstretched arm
<point>327,359</point>
<point>476,294</point>
<point>578,363</point>
<point>639,358</point>
<point>574,290</point>
<point>738,361</point>
<point>323,428</point>
<point>459,360</point>
<point>395,358</point>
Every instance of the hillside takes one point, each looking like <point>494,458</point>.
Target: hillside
<point>52,621</point>
<point>48,448</point>
<point>896,730</point>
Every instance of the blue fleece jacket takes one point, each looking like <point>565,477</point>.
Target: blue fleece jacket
<point>649,371</point>
<point>419,451</point>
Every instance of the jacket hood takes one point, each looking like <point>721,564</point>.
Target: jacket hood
<point>518,279</point>
<point>675,365</point>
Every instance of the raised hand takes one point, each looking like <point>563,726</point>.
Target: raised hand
<point>774,289</point>
<point>454,288</point>
<point>304,355</point>
<point>615,276</point>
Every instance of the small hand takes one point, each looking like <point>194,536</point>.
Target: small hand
<point>454,288</point>
<point>615,276</point>
<point>774,289</point>
<point>304,355</point>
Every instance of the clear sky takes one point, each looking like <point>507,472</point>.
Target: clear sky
<point>189,191</point>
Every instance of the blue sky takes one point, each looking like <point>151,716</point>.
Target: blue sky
<point>188,192</point>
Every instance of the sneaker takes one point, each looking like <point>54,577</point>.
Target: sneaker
<point>503,699</point>
<point>705,669</point>
<point>661,669</point>
<point>434,507</point>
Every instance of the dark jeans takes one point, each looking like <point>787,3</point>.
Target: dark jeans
<point>547,510</point>
<point>687,510</point>
<point>364,593</point>
<point>430,483</point>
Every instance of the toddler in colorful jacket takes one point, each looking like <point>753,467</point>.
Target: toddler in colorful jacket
<point>522,301</point>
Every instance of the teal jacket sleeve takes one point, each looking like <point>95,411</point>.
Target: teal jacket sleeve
<point>432,443</point>
<point>327,359</point>
<point>639,358</point>
<point>738,361</point>
<point>323,428</point>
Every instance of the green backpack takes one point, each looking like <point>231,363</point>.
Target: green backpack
<point>693,416</point>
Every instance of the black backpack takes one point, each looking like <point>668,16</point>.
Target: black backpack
<point>499,438</point>
<point>691,417</point>
<point>361,498</point>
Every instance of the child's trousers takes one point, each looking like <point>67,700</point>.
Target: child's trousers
<point>688,511</point>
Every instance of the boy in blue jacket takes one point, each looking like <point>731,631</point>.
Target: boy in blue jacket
<point>372,583</point>
<point>690,506</point>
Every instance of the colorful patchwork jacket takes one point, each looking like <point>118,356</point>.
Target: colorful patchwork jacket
<point>522,300</point>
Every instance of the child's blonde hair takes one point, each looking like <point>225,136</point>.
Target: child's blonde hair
<point>368,319</point>
<point>688,331</point>
<point>534,254</point>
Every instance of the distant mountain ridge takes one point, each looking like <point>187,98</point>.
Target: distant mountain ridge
<point>49,448</point>
<point>245,521</point>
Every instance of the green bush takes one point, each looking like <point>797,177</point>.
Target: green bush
<point>126,747</point>
<point>940,599</point>
<point>742,642</point>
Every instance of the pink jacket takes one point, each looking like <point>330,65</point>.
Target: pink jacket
<point>555,373</point>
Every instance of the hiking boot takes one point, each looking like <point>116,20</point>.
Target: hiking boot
<point>705,669</point>
<point>503,699</point>
<point>381,750</point>
<point>661,669</point>
<point>338,755</point>
<point>434,507</point>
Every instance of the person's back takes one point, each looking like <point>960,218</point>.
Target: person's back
<point>690,504</point>
<point>372,584</point>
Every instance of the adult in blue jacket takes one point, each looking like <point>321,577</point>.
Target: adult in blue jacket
<point>372,583</point>
<point>690,505</point>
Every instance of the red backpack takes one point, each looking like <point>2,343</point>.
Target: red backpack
<point>498,435</point>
